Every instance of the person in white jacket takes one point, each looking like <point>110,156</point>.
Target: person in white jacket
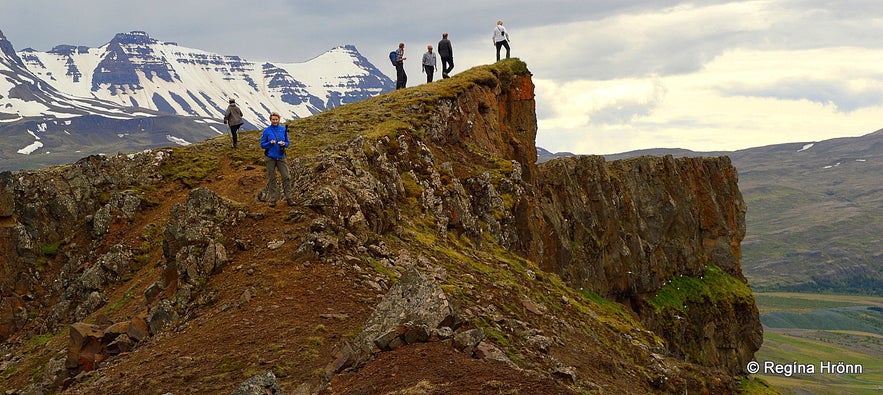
<point>501,39</point>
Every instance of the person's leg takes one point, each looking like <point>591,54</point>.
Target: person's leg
<point>233,131</point>
<point>506,44</point>
<point>272,191</point>
<point>429,71</point>
<point>400,76</point>
<point>447,65</point>
<point>498,45</point>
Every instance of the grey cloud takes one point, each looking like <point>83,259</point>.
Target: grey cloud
<point>621,113</point>
<point>828,92</point>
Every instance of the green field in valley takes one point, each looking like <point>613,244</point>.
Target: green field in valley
<point>808,336</point>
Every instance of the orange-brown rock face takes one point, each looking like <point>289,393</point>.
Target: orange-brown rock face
<point>626,229</point>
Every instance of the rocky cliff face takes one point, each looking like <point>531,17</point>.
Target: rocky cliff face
<point>441,179</point>
<point>627,229</point>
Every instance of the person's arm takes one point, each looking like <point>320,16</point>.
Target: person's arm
<point>265,140</point>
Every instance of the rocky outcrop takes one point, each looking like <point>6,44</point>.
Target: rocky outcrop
<point>414,310</point>
<point>43,211</point>
<point>625,230</point>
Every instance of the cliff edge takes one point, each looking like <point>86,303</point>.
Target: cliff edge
<point>427,252</point>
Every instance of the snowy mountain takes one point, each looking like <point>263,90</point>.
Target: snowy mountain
<point>24,94</point>
<point>136,70</point>
<point>144,93</point>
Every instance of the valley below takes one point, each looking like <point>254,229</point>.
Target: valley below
<point>804,332</point>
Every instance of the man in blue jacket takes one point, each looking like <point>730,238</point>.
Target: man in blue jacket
<point>274,140</point>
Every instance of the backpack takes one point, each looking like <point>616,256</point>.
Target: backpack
<point>393,56</point>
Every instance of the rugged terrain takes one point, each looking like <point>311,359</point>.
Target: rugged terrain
<point>426,253</point>
<point>815,213</point>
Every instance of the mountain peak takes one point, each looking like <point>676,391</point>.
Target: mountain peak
<point>8,51</point>
<point>134,37</point>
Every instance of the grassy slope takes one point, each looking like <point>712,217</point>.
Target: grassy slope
<point>848,337</point>
<point>815,217</point>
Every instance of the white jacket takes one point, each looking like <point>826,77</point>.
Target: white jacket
<point>500,34</point>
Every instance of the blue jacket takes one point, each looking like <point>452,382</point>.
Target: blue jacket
<point>278,133</point>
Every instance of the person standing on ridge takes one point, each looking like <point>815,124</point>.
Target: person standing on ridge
<point>446,52</point>
<point>401,77</point>
<point>429,63</point>
<point>233,119</point>
<point>274,140</point>
<point>501,39</point>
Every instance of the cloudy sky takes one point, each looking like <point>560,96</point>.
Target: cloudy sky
<point>610,75</point>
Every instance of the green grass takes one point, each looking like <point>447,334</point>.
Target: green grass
<point>802,343</point>
<point>769,302</point>
<point>756,386</point>
<point>715,285</point>
<point>821,312</point>
<point>787,349</point>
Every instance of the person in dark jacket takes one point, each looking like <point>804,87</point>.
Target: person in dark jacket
<point>401,77</point>
<point>274,141</point>
<point>446,53</point>
<point>233,119</point>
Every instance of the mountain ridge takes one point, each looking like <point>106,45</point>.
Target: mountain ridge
<point>432,189</point>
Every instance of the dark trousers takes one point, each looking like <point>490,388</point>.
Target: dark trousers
<point>233,130</point>
<point>401,77</point>
<point>447,65</point>
<point>504,43</point>
<point>429,71</point>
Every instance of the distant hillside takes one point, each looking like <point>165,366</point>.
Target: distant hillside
<point>815,213</point>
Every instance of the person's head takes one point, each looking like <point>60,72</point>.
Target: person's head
<point>429,48</point>
<point>274,118</point>
<point>401,45</point>
<point>444,35</point>
<point>232,101</point>
<point>500,22</point>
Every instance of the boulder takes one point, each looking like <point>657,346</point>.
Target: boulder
<point>262,384</point>
<point>411,311</point>
<point>85,347</point>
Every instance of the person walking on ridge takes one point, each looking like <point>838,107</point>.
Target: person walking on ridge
<point>274,141</point>
<point>233,119</point>
<point>446,52</point>
<point>429,63</point>
<point>501,39</point>
<point>401,77</point>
